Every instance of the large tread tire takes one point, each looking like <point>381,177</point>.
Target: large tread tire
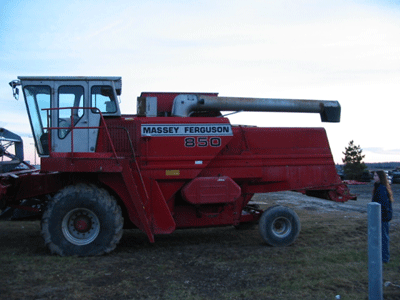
<point>279,226</point>
<point>82,220</point>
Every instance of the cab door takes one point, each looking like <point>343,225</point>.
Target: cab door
<point>73,118</point>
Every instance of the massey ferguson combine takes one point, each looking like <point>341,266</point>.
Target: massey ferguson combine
<point>178,163</point>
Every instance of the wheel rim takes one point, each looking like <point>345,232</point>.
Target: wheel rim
<point>80,226</point>
<point>281,227</point>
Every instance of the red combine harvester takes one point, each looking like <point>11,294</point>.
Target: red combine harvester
<point>178,163</point>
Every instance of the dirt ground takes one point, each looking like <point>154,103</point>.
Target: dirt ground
<point>363,192</point>
<point>213,263</point>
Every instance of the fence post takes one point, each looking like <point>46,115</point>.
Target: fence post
<point>375,283</point>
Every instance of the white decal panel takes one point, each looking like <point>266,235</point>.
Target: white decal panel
<point>186,129</point>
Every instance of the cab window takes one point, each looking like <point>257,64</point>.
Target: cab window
<point>71,99</point>
<point>38,98</point>
<point>102,97</point>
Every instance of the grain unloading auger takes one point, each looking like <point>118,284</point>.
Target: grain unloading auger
<point>178,163</point>
<point>184,105</point>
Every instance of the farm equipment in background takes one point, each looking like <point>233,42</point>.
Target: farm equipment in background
<point>12,163</point>
<point>11,150</point>
<point>177,163</point>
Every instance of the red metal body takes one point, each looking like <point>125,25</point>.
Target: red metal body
<point>169,172</point>
<point>168,182</point>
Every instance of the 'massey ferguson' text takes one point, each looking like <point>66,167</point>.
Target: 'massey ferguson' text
<point>185,129</point>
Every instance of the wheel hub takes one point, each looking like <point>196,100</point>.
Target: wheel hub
<point>281,227</point>
<point>80,226</point>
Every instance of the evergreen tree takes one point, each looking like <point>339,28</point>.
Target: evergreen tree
<point>353,164</point>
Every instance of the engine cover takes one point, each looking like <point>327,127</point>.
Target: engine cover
<point>211,190</point>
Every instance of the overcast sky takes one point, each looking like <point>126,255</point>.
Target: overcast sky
<point>330,50</point>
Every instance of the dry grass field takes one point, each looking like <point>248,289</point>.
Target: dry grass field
<point>329,258</point>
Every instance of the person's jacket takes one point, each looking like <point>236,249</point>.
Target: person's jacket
<point>381,196</point>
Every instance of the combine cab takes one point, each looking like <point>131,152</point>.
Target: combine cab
<point>178,163</point>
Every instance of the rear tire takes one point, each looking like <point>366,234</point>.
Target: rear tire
<point>279,226</point>
<point>82,220</point>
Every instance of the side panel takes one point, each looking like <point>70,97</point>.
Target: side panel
<point>274,159</point>
<point>180,148</point>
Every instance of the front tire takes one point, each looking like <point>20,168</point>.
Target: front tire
<point>82,220</point>
<point>279,226</point>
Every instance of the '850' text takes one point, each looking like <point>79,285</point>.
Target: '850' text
<point>202,141</point>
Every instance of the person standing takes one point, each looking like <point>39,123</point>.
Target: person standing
<point>382,194</point>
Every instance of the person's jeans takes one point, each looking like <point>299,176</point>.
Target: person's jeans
<point>385,242</point>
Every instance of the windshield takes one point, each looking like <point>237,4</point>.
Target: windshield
<point>37,98</point>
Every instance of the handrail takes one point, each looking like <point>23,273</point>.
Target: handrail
<point>72,127</point>
<point>134,157</point>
